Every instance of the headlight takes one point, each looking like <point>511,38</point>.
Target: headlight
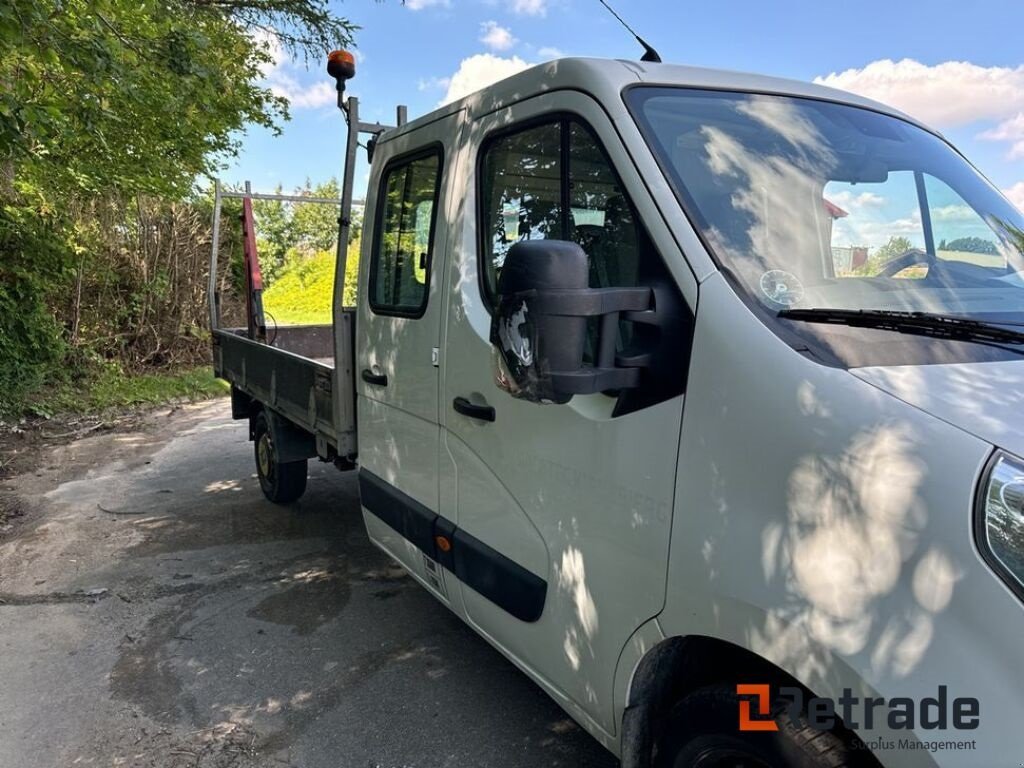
<point>1000,520</point>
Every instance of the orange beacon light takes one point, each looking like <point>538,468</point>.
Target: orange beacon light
<point>341,65</point>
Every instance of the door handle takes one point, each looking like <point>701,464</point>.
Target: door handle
<point>377,379</point>
<point>474,411</point>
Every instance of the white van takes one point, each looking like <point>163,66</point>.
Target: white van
<point>699,396</point>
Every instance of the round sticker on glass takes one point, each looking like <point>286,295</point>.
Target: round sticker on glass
<point>782,288</point>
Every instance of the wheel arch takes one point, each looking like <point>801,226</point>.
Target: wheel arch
<point>677,666</point>
<point>291,442</point>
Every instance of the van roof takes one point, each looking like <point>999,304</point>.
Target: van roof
<point>606,78</point>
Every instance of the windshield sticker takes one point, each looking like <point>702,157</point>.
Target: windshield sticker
<point>782,288</point>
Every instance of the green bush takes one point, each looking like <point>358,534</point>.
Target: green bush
<point>32,345</point>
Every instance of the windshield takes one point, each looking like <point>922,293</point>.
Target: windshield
<point>814,204</point>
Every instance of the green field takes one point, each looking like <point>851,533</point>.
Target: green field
<point>303,293</point>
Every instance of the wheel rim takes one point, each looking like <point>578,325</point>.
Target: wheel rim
<point>265,456</point>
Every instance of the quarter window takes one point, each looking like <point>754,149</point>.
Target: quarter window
<point>400,265</point>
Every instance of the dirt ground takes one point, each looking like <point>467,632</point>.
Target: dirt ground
<point>156,611</point>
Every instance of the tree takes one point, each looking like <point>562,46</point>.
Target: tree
<point>970,245</point>
<point>141,94</point>
<point>106,102</point>
<point>896,246</point>
<point>316,224</point>
<point>275,233</point>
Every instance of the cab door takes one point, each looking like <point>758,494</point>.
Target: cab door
<point>398,335</point>
<point>563,511</point>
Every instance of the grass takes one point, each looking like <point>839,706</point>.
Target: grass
<point>303,293</point>
<point>110,388</point>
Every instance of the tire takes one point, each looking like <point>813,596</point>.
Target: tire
<point>702,731</point>
<point>281,483</point>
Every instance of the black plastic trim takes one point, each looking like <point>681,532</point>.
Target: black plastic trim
<point>477,565</point>
<point>502,581</point>
<point>473,411</point>
<point>377,379</point>
<point>446,529</point>
<point>401,512</point>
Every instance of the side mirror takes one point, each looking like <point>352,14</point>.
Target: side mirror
<point>540,324</point>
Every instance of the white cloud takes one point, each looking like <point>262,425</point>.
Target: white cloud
<point>303,96</point>
<point>419,5</point>
<point>1016,194</point>
<point>281,76</point>
<point>1011,131</point>
<point>946,95</point>
<point>271,44</point>
<point>955,214</point>
<point>871,232</point>
<point>529,7</point>
<point>479,71</point>
<point>850,201</point>
<point>551,53</point>
<point>496,37</point>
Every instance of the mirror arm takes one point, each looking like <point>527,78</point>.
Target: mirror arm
<point>588,302</point>
<point>611,371</point>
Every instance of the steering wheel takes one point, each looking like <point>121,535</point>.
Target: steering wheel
<point>907,259</point>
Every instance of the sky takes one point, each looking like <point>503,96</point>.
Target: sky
<point>958,67</point>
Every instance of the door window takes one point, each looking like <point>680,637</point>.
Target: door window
<point>554,181</point>
<point>522,193</point>
<point>403,245</point>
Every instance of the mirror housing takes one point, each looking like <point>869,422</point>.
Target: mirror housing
<point>539,326</point>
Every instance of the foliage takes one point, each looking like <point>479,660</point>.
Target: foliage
<point>897,246</point>
<point>110,110</point>
<point>110,386</point>
<point>315,226</point>
<point>970,245</point>
<point>140,95</point>
<point>308,227</point>
<point>30,336</point>
<point>273,232</point>
<point>303,294</point>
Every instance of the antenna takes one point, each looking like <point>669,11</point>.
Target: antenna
<point>650,54</point>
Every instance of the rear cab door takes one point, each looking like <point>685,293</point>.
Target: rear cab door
<point>398,335</point>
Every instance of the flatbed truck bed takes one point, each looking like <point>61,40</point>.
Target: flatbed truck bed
<point>295,374</point>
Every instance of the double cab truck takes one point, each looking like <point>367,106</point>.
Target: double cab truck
<point>698,395</point>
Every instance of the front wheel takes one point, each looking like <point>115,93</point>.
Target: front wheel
<point>702,731</point>
<point>281,483</point>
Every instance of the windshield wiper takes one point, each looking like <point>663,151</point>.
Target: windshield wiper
<point>919,323</point>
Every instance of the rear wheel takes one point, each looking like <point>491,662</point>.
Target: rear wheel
<point>702,731</point>
<point>281,483</point>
